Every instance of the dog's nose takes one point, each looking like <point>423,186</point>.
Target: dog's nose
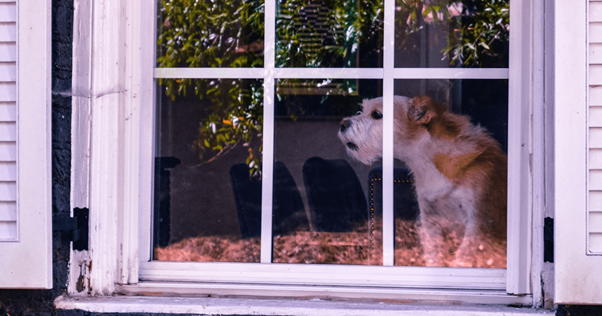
<point>345,125</point>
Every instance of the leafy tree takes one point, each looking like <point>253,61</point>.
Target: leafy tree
<point>229,33</point>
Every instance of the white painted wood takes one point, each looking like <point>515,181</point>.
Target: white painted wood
<point>595,201</point>
<point>8,231</point>
<point>8,171</point>
<point>595,52</point>
<point>388,217</point>
<point>8,211</point>
<point>8,131</point>
<point>8,92</point>
<point>595,222</point>
<point>267,177</point>
<point>595,116</point>
<point>595,159</point>
<point>520,173</point>
<point>112,185</point>
<point>147,137</point>
<point>595,96</point>
<point>8,72</point>
<point>595,180</point>
<point>334,73</point>
<point>8,12</point>
<point>351,307</point>
<point>8,52</point>
<point>595,74</point>
<point>8,112</point>
<point>8,151</point>
<point>595,11</point>
<point>32,191</point>
<point>595,242</point>
<point>595,137</point>
<point>595,32</point>
<point>8,32</point>
<point>578,276</point>
<point>8,191</point>
<point>540,75</point>
<point>405,277</point>
<point>81,111</point>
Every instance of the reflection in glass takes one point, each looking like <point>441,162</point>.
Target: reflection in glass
<point>329,33</point>
<point>207,204</point>
<point>222,33</point>
<point>452,33</point>
<point>477,163</point>
<point>321,195</point>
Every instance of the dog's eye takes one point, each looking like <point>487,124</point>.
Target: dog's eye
<point>358,113</point>
<point>376,115</point>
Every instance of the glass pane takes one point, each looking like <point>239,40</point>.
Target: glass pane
<point>321,193</point>
<point>207,204</point>
<point>329,33</point>
<point>451,173</point>
<point>452,33</point>
<point>220,33</point>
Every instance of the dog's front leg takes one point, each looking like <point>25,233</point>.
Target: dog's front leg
<point>430,234</point>
<point>465,255</point>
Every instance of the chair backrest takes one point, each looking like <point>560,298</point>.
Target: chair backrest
<point>334,193</point>
<point>288,213</point>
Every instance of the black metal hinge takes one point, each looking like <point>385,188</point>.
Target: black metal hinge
<point>548,240</point>
<point>76,225</point>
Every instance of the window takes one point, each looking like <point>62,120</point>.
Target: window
<point>127,189</point>
<point>250,97</point>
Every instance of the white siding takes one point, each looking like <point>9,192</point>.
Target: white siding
<point>8,124</point>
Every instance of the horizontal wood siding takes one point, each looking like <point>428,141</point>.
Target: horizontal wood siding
<point>8,121</point>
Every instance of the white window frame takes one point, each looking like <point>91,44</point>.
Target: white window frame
<point>112,121</point>
<point>26,262</point>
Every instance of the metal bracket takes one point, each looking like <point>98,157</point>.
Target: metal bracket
<point>548,240</point>
<point>77,225</point>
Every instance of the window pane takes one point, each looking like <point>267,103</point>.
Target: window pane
<point>207,203</point>
<point>221,33</point>
<point>452,33</point>
<point>450,176</point>
<point>329,33</point>
<point>321,194</point>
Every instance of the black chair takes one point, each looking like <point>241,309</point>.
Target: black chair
<point>336,200</point>
<point>405,205</point>
<point>288,213</point>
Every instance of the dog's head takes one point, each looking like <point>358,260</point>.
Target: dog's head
<point>362,134</point>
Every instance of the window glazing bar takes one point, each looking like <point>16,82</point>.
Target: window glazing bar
<point>388,90</point>
<point>332,73</point>
<point>268,132</point>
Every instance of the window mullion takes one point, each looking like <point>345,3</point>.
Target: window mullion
<point>388,65</point>
<point>268,132</point>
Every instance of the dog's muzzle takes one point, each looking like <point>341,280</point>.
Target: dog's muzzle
<point>345,125</point>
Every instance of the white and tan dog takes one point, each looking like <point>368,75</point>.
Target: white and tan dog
<point>459,171</point>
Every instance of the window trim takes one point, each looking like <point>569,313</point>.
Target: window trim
<point>116,192</point>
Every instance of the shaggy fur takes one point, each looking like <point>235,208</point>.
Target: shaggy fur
<point>459,172</point>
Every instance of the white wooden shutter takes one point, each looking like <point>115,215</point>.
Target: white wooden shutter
<point>25,144</point>
<point>578,152</point>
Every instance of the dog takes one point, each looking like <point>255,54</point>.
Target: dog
<point>459,170</point>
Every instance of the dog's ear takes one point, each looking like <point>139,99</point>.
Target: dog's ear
<point>423,109</point>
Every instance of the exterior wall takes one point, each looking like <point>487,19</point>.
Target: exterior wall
<point>40,302</point>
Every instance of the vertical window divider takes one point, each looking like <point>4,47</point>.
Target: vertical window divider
<point>388,90</point>
<point>268,131</point>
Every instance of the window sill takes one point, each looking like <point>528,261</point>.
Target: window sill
<point>254,306</point>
